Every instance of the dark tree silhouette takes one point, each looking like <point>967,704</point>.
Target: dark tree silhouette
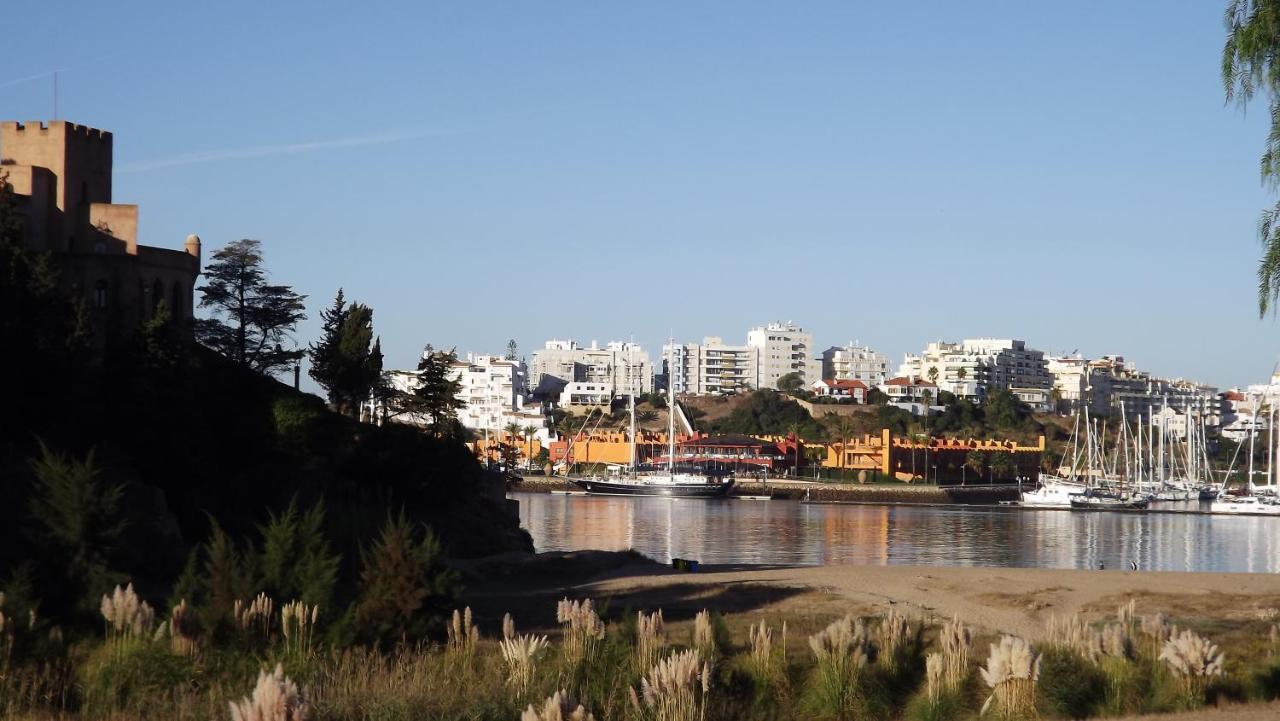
<point>251,318</point>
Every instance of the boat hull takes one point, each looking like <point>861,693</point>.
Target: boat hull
<point>1086,503</point>
<point>667,490</point>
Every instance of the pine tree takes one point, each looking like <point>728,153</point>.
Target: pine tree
<point>323,353</point>
<point>434,398</point>
<point>224,573</point>
<point>405,588</point>
<point>252,318</point>
<point>512,349</point>
<point>295,561</point>
<point>80,523</point>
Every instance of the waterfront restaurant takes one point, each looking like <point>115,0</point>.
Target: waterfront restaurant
<point>734,452</point>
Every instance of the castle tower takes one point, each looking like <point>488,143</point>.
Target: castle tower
<point>79,159</point>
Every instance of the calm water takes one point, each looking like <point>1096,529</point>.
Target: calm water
<point>789,532</point>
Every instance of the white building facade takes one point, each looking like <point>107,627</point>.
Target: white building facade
<point>783,348</point>
<point>711,367</point>
<point>624,366</point>
<point>975,367</point>
<point>493,391</point>
<point>853,362</point>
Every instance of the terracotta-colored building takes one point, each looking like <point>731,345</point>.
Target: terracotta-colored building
<point>60,173</point>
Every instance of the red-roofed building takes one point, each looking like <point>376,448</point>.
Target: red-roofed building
<point>905,389</point>
<point>853,389</point>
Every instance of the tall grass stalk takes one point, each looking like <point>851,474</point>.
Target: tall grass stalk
<point>559,707</point>
<point>181,629</point>
<point>766,662</point>
<point>1194,660</point>
<point>676,688</point>
<point>274,698</point>
<point>463,634</point>
<point>893,634</point>
<point>704,634</point>
<point>298,626</point>
<point>1012,670</point>
<point>582,631</point>
<point>520,655</point>
<point>841,652</point>
<point>651,638</point>
<point>125,614</point>
<point>956,640</point>
<point>254,616</point>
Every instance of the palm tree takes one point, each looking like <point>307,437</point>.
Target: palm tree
<point>529,433</point>
<point>844,429</point>
<point>933,374</point>
<point>1251,61</point>
<point>976,461</point>
<point>1001,465</point>
<point>511,431</point>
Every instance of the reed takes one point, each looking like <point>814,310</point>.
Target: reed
<point>582,631</point>
<point>181,629</point>
<point>1194,661</point>
<point>520,655</point>
<point>254,616</point>
<point>704,634</point>
<point>956,640</point>
<point>463,634</point>
<point>765,662</point>
<point>274,698</point>
<point>841,651</point>
<point>1012,670</point>
<point>508,626</point>
<point>559,707</point>
<point>676,688</point>
<point>651,638</point>
<point>125,614</point>
<point>298,626</point>
<point>893,636</point>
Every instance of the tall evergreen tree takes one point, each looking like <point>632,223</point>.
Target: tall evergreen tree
<point>251,318</point>
<point>434,398</point>
<point>512,349</point>
<point>405,588</point>
<point>323,353</point>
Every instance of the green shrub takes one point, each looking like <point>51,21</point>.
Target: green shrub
<point>133,674</point>
<point>947,706</point>
<point>1070,685</point>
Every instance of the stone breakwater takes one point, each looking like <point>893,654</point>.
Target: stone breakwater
<point>829,492</point>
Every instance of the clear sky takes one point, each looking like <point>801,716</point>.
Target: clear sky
<point>1066,173</point>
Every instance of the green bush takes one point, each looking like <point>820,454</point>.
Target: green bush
<point>133,674</point>
<point>1070,685</point>
<point>948,706</point>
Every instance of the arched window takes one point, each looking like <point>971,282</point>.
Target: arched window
<point>100,294</point>
<point>176,303</point>
<point>157,295</point>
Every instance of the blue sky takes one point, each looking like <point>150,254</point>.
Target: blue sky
<point>892,172</point>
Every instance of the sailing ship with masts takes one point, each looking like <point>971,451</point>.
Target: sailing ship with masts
<point>669,481</point>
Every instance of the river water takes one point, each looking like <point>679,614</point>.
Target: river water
<point>792,533</point>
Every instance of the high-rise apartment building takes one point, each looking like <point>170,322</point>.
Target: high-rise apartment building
<point>624,366</point>
<point>711,367</point>
<point>976,366</point>
<point>783,348</point>
<point>854,362</point>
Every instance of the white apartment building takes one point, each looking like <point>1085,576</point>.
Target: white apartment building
<point>975,366</point>
<point>854,362</point>
<point>586,394</point>
<point>783,348</point>
<point>624,366</point>
<point>493,391</point>
<point>711,367</point>
<point>1070,379</point>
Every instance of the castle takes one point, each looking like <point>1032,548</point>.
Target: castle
<point>60,173</point>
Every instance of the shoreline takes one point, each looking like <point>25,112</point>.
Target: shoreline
<point>998,600</point>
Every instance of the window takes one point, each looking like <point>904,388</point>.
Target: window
<point>100,294</point>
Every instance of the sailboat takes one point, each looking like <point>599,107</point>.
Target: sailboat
<point>1247,500</point>
<point>1108,492</point>
<point>1055,491</point>
<point>666,482</point>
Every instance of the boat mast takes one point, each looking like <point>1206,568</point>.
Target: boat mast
<point>633,430</point>
<point>1253,427</point>
<point>671,407</point>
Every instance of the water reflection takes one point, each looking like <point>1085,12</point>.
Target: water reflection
<point>788,532</point>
